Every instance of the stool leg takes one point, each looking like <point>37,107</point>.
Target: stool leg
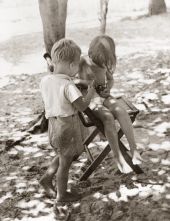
<point>95,163</point>
<point>91,136</point>
<point>87,141</point>
<point>90,157</point>
<point>103,154</point>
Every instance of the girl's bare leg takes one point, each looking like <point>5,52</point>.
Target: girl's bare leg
<point>111,134</point>
<point>46,180</point>
<point>126,125</point>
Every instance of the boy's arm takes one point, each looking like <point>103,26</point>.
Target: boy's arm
<point>82,103</point>
<point>81,82</point>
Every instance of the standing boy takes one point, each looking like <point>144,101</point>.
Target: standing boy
<point>62,101</point>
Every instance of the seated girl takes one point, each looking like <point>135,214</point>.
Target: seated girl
<point>99,67</point>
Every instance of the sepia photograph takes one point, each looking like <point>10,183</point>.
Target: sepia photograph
<point>85,110</point>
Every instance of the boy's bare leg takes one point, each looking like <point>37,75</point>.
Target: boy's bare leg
<point>111,134</point>
<point>62,180</point>
<point>126,125</point>
<point>46,180</point>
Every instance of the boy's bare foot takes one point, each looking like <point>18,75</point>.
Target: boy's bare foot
<point>48,187</point>
<point>136,158</point>
<point>69,197</point>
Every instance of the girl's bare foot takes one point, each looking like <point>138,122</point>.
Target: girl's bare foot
<point>48,187</point>
<point>136,157</point>
<point>69,197</point>
<point>122,165</point>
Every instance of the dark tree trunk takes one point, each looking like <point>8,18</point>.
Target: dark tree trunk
<point>157,7</point>
<point>53,16</point>
<point>103,15</point>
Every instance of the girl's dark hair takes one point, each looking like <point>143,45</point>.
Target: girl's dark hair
<point>102,51</point>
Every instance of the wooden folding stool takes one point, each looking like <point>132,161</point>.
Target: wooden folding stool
<point>92,120</point>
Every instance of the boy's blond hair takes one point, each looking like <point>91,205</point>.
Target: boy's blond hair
<point>102,51</point>
<point>65,50</point>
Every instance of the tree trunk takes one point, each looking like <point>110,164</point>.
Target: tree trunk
<point>103,15</point>
<point>53,16</point>
<point>157,7</point>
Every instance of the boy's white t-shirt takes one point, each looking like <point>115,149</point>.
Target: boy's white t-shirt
<point>58,93</point>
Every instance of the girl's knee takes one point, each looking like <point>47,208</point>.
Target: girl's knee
<point>118,111</point>
<point>108,117</point>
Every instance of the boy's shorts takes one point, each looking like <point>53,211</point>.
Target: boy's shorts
<point>65,135</point>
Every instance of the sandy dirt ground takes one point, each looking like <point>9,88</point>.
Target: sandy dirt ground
<point>143,76</point>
